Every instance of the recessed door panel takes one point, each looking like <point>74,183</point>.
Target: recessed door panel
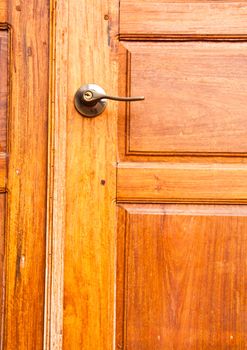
<point>195,98</point>
<point>182,276</point>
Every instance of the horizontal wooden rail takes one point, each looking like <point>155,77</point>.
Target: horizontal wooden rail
<point>163,182</point>
<point>183,17</point>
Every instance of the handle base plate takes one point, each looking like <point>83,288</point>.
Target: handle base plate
<point>89,111</point>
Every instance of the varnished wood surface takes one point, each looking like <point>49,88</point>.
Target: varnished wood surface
<point>180,182</point>
<point>26,215</point>
<point>195,96</point>
<point>4,58</point>
<point>185,277</point>
<point>181,268</point>
<point>3,11</point>
<point>154,17</point>
<point>2,264</point>
<point>4,39</point>
<point>56,187</point>
<point>89,256</point>
<point>3,172</point>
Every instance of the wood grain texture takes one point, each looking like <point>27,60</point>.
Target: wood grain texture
<point>196,103</point>
<point>4,57</point>
<point>89,257</point>
<point>4,69</point>
<point>4,61</point>
<point>181,268</point>
<point>3,172</point>
<point>25,236</point>
<point>56,197</point>
<point>3,10</point>
<point>164,182</point>
<point>182,17</point>
<point>2,264</point>
<point>185,284</point>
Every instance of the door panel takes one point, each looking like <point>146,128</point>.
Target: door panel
<point>184,276</point>
<point>182,17</point>
<point>195,97</point>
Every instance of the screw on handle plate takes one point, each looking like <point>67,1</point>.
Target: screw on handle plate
<point>90,100</point>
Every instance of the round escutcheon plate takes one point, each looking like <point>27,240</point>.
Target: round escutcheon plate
<point>86,110</point>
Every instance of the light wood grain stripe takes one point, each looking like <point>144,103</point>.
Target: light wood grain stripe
<point>160,182</point>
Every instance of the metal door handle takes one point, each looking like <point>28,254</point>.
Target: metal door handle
<point>90,100</point>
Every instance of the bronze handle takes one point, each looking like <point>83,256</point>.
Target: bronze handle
<point>90,100</point>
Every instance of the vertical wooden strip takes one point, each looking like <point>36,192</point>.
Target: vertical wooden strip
<point>4,57</point>
<point>4,72</point>
<point>123,223</point>
<point>25,265</point>
<point>3,10</point>
<point>89,264</point>
<point>2,264</point>
<point>87,148</point>
<point>53,334</point>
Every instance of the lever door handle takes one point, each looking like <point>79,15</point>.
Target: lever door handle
<point>90,100</point>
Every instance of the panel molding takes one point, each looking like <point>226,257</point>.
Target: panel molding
<point>182,37</point>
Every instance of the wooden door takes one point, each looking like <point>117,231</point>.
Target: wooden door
<point>149,215</point>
